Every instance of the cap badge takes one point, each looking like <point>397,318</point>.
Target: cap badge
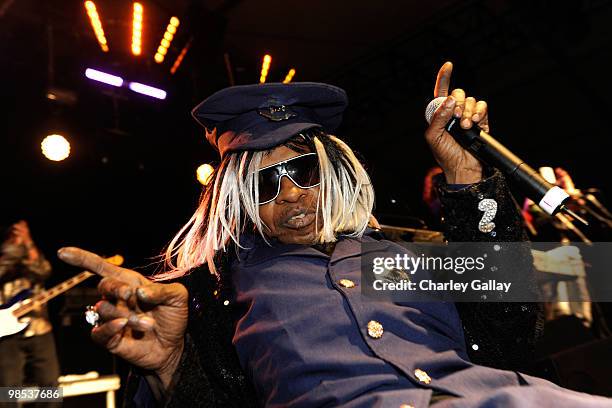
<point>277,113</point>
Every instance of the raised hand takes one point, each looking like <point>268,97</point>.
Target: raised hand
<point>20,232</point>
<point>459,166</point>
<point>142,322</point>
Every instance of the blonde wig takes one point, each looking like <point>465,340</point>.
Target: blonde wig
<point>229,205</point>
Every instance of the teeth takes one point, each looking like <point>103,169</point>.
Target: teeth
<point>297,217</point>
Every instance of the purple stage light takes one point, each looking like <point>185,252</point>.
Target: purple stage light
<point>103,77</point>
<point>147,90</point>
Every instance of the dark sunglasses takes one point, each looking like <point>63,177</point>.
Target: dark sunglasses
<point>302,170</point>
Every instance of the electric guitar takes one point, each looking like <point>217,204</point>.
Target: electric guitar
<point>20,304</point>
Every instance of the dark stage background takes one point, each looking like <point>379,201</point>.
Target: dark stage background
<point>129,183</point>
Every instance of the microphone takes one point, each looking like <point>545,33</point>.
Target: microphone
<point>486,149</point>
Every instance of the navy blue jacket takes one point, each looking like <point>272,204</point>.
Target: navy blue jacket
<point>282,330</point>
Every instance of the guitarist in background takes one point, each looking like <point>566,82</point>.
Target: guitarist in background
<point>26,358</point>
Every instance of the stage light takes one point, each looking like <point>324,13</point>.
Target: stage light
<point>181,56</point>
<point>103,77</point>
<point>204,173</point>
<point>289,76</point>
<point>164,44</point>
<point>61,95</point>
<point>115,260</point>
<point>147,90</point>
<point>94,19</point>
<point>267,59</point>
<point>55,147</point>
<point>137,29</point>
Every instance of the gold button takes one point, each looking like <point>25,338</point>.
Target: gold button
<point>375,329</point>
<point>422,376</point>
<point>406,406</point>
<point>347,283</point>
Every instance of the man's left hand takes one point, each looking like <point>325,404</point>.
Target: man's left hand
<point>459,166</point>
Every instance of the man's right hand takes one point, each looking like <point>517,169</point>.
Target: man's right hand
<point>141,321</point>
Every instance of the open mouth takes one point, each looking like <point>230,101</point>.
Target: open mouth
<point>298,219</point>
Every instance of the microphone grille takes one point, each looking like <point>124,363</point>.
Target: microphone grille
<point>432,107</point>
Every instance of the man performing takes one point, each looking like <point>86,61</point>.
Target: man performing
<point>28,357</point>
<point>267,308</point>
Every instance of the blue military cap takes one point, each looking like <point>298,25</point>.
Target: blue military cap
<point>259,117</point>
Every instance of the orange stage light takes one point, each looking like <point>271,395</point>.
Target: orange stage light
<point>137,28</point>
<point>96,24</point>
<point>164,44</point>
<point>289,76</point>
<point>181,56</point>
<point>267,60</point>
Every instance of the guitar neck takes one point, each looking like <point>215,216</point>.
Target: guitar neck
<point>43,297</point>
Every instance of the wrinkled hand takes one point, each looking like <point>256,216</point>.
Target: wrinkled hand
<point>459,166</point>
<point>141,321</point>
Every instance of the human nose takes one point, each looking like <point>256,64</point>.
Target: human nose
<point>289,191</point>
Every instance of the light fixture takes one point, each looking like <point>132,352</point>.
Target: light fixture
<point>265,66</point>
<point>103,77</point>
<point>181,56</point>
<point>204,173</point>
<point>147,90</point>
<point>55,147</point>
<point>94,19</point>
<point>119,82</point>
<point>137,29</point>
<point>289,76</point>
<point>164,44</point>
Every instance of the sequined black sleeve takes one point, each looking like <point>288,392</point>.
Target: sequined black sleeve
<point>498,334</point>
<point>209,374</point>
<point>212,327</point>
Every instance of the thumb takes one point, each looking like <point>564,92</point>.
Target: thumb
<point>170,294</point>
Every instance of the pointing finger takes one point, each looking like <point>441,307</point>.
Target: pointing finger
<point>88,260</point>
<point>94,263</point>
<point>443,80</point>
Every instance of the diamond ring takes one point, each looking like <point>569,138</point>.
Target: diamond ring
<point>91,316</point>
